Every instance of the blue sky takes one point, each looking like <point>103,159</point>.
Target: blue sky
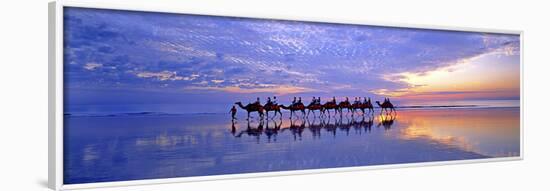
<point>135,57</point>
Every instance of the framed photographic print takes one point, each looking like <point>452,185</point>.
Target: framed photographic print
<point>140,96</point>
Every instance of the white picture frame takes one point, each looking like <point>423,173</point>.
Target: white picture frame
<point>55,100</point>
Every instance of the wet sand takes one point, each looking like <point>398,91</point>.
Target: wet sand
<point>135,147</point>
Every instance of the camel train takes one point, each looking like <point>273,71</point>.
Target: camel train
<point>365,106</point>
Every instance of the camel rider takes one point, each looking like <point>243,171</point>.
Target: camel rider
<point>299,100</point>
<point>294,101</point>
<point>357,101</point>
<point>274,100</point>
<point>347,100</point>
<point>319,100</point>
<point>333,99</point>
<point>313,101</point>
<point>257,101</point>
<point>269,102</point>
<point>233,112</point>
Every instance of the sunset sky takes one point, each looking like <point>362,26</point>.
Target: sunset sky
<point>136,57</point>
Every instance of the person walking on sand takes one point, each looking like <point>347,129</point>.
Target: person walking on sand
<point>233,112</point>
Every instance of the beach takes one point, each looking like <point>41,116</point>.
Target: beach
<point>137,146</point>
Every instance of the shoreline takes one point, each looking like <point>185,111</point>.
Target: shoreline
<point>376,112</point>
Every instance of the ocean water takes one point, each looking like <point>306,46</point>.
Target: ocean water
<point>135,145</point>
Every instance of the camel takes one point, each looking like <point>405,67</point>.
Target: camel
<point>272,107</point>
<point>328,106</point>
<point>369,106</point>
<point>358,106</point>
<point>344,105</point>
<point>295,107</point>
<point>362,106</point>
<point>312,107</point>
<point>252,108</point>
<point>385,106</point>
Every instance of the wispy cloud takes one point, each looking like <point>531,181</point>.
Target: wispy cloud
<point>92,66</point>
<point>162,76</point>
<point>277,90</point>
<point>246,56</point>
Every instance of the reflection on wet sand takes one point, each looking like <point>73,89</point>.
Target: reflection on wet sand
<point>165,146</point>
<point>479,131</point>
<point>296,127</point>
<point>492,132</point>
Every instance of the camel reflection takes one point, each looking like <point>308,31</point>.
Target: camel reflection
<point>363,125</point>
<point>345,126</point>
<point>296,128</point>
<point>272,132</point>
<point>386,121</point>
<point>255,132</point>
<point>315,126</point>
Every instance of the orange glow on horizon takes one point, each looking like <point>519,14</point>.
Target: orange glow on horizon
<point>486,76</point>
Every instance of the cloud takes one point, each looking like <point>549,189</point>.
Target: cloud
<point>217,81</point>
<point>237,55</point>
<point>162,76</point>
<point>277,90</point>
<point>92,66</point>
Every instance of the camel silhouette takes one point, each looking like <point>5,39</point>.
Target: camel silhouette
<point>328,106</point>
<point>344,105</point>
<point>368,105</point>
<point>272,107</point>
<point>364,106</point>
<point>385,106</point>
<point>313,107</point>
<point>252,108</point>
<point>295,107</point>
